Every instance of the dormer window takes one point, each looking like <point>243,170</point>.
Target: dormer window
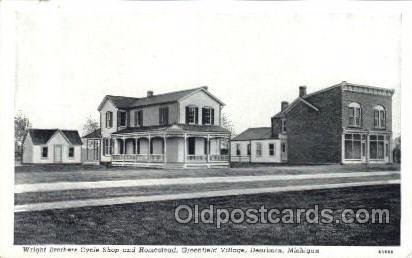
<point>379,116</point>
<point>192,116</point>
<point>109,119</point>
<point>355,114</point>
<point>208,116</point>
<point>122,116</point>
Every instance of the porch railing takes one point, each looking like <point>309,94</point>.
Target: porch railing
<point>138,157</point>
<point>217,157</point>
<point>161,157</point>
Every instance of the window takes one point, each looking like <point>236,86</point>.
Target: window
<point>192,115</point>
<point>258,149</point>
<point>109,119</point>
<point>238,153</point>
<point>163,115</point>
<point>271,149</point>
<point>355,114</point>
<point>122,116</point>
<point>353,146</point>
<point>44,152</point>
<point>248,149</point>
<point>138,118</point>
<point>208,116</point>
<point>71,152</point>
<point>379,117</point>
<point>376,146</point>
<point>283,125</point>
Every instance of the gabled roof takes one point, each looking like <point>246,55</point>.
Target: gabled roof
<point>95,134</point>
<point>175,127</point>
<point>42,136</point>
<point>122,102</point>
<point>293,104</point>
<point>259,133</point>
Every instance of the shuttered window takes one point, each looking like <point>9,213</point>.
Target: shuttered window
<point>163,115</point>
<point>192,116</point>
<point>208,116</point>
<point>122,118</point>
<point>109,119</point>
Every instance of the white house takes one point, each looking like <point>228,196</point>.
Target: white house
<point>258,145</point>
<point>178,129</point>
<point>45,146</point>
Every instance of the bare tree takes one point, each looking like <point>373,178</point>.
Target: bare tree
<point>228,124</point>
<point>91,125</point>
<point>21,124</point>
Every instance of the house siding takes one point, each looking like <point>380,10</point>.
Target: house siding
<point>264,158</point>
<point>315,136</point>
<point>199,99</point>
<point>151,114</point>
<point>57,139</point>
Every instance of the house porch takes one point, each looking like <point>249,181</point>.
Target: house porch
<point>171,150</point>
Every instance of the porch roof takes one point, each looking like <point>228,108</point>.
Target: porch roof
<point>174,128</point>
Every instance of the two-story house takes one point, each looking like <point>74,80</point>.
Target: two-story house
<point>344,123</point>
<point>178,129</point>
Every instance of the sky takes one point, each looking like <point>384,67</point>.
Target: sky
<point>68,61</point>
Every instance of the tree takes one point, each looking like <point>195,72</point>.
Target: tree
<point>228,124</point>
<point>91,125</point>
<point>21,124</point>
<point>397,150</point>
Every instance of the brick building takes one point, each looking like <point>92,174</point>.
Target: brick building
<point>344,123</point>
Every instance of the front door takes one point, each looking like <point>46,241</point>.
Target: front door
<point>284,152</point>
<point>58,153</point>
<point>191,146</point>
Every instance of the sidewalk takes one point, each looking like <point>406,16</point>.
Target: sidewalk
<point>152,198</point>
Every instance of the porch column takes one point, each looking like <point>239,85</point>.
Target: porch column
<point>208,148</point>
<point>149,156</point>
<point>136,141</point>
<point>87,149</point>
<point>114,147</point>
<point>164,148</point>
<point>124,150</point>
<point>184,148</point>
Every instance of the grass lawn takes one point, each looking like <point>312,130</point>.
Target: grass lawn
<point>86,173</point>
<point>154,223</point>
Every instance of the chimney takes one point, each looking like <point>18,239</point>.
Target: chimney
<point>284,105</point>
<point>149,93</point>
<point>302,91</point>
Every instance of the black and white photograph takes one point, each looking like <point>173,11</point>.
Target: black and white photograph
<point>186,129</point>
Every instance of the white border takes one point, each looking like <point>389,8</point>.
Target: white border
<point>7,82</point>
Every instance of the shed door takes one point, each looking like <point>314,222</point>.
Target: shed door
<point>57,153</point>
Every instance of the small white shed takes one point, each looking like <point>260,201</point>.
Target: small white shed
<point>46,146</point>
